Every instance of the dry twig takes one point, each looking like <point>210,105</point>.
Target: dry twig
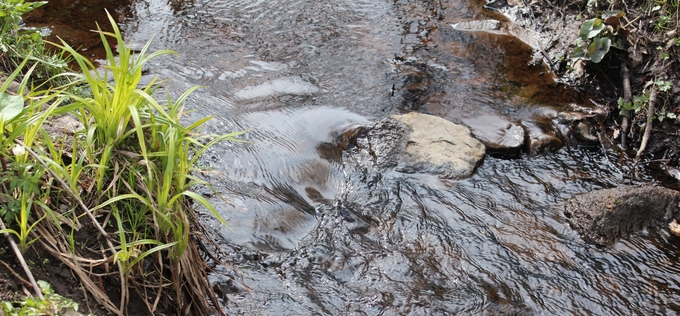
<point>20,257</point>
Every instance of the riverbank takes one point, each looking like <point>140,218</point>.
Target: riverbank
<point>636,78</point>
<point>97,180</point>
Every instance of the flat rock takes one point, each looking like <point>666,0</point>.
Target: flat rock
<point>489,26</point>
<point>501,137</point>
<point>603,216</point>
<point>437,146</point>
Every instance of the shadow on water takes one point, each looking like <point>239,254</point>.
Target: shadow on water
<point>319,230</point>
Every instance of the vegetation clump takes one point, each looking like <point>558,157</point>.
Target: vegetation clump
<point>124,175</point>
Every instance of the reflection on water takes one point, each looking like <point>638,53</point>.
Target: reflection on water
<point>315,232</point>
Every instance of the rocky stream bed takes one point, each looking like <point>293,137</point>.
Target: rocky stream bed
<point>410,157</point>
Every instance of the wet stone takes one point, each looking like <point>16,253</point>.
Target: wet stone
<point>603,216</point>
<point>540,141</point>
<point>420,143</point>
<point>436,146</point>
<point>576,127</point>
<point>502,138</point>
<point>491,26</point>
<point>417,143</point>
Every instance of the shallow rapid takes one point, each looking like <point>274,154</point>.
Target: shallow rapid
<point>316,231</point>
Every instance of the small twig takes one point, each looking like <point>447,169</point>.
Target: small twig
<point>627,97</point>
<point>16,275</point>
<point>648,126</point>
<point>36,288</point>
<point>123,287</point>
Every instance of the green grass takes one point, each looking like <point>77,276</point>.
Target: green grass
<point>132,163</point>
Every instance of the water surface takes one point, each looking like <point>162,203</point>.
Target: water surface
<point>319,231</point>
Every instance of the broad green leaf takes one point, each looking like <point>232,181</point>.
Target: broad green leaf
<point>591,28</point>
<point>579,53</point>
<point>10,106</point>
<point>598,48</point>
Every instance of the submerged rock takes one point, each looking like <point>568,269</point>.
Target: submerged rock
<point>422,143</point>
<point>502,138</point>
<point>603,216</point>
<point>540,140</point>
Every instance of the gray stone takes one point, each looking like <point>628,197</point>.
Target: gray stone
<point>603,216</point>
<point>437,146</point>
<point>13,87</point>
<point>501,137</point>
<point>489,26</point>
<point>577,127</point>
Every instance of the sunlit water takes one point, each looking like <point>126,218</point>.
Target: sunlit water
<point>318,232</point>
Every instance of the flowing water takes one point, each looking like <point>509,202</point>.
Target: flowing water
<point>317,231</point>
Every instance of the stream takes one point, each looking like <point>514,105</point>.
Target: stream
<point>313,232</point>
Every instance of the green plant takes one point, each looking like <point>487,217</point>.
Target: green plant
<point>11,33</point>
<point>141,158</point>
<point>639,102</point>
<point>108,114</point>
<point>663,85</point>
<point>18,43</point>
<point>52,304</point>
<point>661,115</point>
<point>598,35</point>
<point>21,178</point>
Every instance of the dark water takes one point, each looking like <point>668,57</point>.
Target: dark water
<point>315,232</point>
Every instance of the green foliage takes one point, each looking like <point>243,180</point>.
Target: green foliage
<point>639,102</point>
<point>598,35</point>
<point>133,160</point>
<point>11,32</point>
<point>661,115</point>
<point>20,175</point>
<point>18,43</point>
<point>663,85</point>
<point>108,113</point>
<point>52,304</point>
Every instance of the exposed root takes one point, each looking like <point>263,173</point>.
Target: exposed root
<point>650,120</point>
<point>16,275</point>
<point>20,257</point>
<point>627,97</point>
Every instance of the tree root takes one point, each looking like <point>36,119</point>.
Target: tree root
<point>648,126</point>
<point>32,282</point>
<point>627,97</point>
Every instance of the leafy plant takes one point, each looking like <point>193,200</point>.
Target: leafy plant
<point>598,35</point>
<point>51,304</point>
<point>663,85</point>
<point>639,102</point>
<point>661,115</point>
<point>20,176</point>
<point>143,158</point>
